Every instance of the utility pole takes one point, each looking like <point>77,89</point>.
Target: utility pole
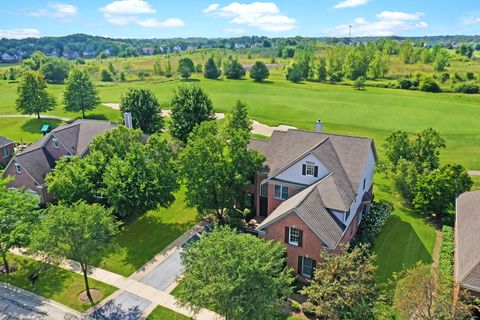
<point>349,34</point>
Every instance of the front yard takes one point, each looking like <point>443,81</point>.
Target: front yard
<point>404,240</point>
<point>161,313</point>
<point>53,283</point>
<point>142,239</point>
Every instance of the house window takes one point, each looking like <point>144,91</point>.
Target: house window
<point>6,152</point>
<point>307,267</point>
<point>248,200</point>
<point>18,168</point>
<point>55,143</point>
<point>264,190</point>
<point>281,192</point>
<point>310,169</point>
<point>294,236</point>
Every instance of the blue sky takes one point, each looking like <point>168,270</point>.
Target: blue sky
<point>204,18</point>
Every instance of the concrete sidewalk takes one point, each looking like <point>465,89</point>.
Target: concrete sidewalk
<point>16,303</point>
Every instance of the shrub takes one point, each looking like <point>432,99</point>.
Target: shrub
<point>295,73</point>
<point>234,70</point>
<point>445,262</point>
<point>295,306</point>
<point>445,76</point>
<point>336,76</point>
<point>259,71</point>
<point>429,85</point>
<point>469,88</point>
<point>359,83</point>
<point>470,76</point>
<point>374,221</point>
<point>309,309</point>
<point>405,84</point>
<point>106,76</point>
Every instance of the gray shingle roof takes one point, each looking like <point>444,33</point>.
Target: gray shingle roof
<point>344,156</point>
<point>467,237</point>
<point>4,141</point>
<point>76,137</point>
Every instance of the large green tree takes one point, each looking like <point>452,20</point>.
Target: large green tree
<point>216,163</point>
<point>252,283</point>
<point>32,95</point>
<point>234,70</point>
<point>18,217</point>
<point>343,285</point>
<point>145,110</point>
<point>143,180</point>
<point>185,67</point>
<point>80,94</point>
<point>211,69</point>
<point>259,71</point>
<point>55,70</point>
<point>81,232</point>
<point>190,106</point>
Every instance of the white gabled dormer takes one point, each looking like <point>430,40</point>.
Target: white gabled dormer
<point>305,171</point>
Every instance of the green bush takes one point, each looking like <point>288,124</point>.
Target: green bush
<point>429,85</point>
<point>446,259</point>
<point>374,221</point>
<point>407,84</point>
<point>468,87</point>
<point>296,306</point>
<point>309,309</point>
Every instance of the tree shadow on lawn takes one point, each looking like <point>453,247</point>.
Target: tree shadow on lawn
<point>95,116</point>
<point>34,125</point>
<point>398,247</point>
<point>140,241</point>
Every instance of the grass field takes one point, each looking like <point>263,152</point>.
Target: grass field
<point>406,238</point>
<point>161,313</point>
<point>54,283</point>
<point>375,112</point>
<point>141,240</point>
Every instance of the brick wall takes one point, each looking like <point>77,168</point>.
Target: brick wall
<point>11,151</point>
<point>56,153</point>
<point>273,203</point>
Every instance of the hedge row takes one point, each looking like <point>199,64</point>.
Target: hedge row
<point>374,221</point>
<point>446,259</point>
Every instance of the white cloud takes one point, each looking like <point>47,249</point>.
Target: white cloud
<point>388,23</point>
<point>56,10</point>
<point>155,23</point>
<point>123,12</point>
<point>211,8</point>
<point>471,20</point>
<point>19,33</point>
<point>265,16</point>
<point>350,4</point>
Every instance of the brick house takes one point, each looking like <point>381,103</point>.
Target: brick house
<point>7,150</point>
<point>30,167</point>
<point>312,193</point>
<point>467,238</point>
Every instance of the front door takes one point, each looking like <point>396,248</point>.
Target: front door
<point>263,206</point>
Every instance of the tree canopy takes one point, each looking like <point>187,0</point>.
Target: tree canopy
<point>32,96</point>
<point>251,284</point>
<point>190,106</point>
<point>81,232</point>
<point>145,110</point>
<point>80,93</point>
<point>55,70</point>
<point>211,69</point>
<point>18,217</point>
<point>185,67</point>
<point>259,71</point>
<point>234,70</point>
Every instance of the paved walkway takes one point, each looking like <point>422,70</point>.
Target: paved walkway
<point>474,173</point>
<point>16,303</point>
<point>257,127</point>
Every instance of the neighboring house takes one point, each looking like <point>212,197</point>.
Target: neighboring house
<point>312,193</point>
<point>467,240</point>
<point>30,167</point>
<point>7,150</point>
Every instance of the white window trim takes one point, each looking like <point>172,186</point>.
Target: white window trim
<point>55,143</point>
<point>264,189</point>
<point>303,265</point>
<point>6,152</point>
<point>311,166</point>
<point>281,192</point>
<point>293,243</point>
<point>18,168</point>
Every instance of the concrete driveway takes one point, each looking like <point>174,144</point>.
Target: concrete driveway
<point>165,274</point>
<point>125,306</point>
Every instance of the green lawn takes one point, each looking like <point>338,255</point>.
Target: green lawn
<point>24,129</point>
<point>161,313</point>
<point>476,183</point>
<point>405,239</point>
<point>374,112</point>
<point>141,240</point>
<point>53,283</point>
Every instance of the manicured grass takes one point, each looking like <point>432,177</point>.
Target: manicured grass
<point>53,283</point>
<point>141,240</point>
<point>24,129</point>
<point>406,238</point>
<point>476,183</point>
<point>161,313</point>
<point>374,112</point>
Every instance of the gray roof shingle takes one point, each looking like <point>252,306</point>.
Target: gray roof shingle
<point>467,237</point>
<point>4,141</point>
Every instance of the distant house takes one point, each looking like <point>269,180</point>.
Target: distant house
<point>7,150</point>
<point>177,48</point>
<point>240,45</point>
<point>8,57</point>
<point>467,240</point>
<point>148,51</point>
<point>313,192</point>
<point>71,55</point>
<point>89,54</point>
<point>30,167</point>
